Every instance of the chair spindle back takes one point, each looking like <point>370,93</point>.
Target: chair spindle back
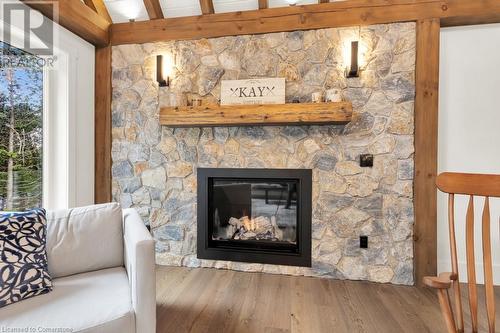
<point>472,185</point>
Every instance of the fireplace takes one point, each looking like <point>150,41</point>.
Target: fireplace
<point>255,215</point>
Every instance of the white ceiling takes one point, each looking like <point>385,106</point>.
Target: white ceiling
<point>124,10</point>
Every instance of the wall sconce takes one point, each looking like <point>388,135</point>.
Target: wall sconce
<point>353,69</point>
<point>163,71</point>
<point>292,2</point>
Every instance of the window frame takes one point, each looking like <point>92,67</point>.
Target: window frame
<point>68,174</point>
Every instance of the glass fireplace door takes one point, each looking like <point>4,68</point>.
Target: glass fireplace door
<point>245,212</point>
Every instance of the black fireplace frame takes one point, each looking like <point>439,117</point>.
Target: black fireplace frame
<point>300,257</point>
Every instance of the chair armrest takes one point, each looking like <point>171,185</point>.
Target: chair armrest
<point>141,270</point>
<point>443,281</point>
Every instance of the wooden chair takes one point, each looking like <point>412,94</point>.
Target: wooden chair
<point>471,185</point>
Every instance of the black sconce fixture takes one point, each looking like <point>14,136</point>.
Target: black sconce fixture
<point>162,82</point>
<point>353,69</point>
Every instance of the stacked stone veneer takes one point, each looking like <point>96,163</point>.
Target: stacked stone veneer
<point>154,167</point>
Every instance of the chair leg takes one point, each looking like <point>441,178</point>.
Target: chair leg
<point>444,302</point>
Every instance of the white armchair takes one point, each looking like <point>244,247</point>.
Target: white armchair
<point>103,268</point>
<point>140,265</point>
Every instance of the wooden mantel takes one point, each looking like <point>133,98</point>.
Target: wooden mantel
<point>248,115</point>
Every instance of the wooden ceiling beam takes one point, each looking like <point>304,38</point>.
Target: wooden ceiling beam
<point>207,7</point>
<point>153,8</point>
<point>77,17</point>
<point>316,16</point>
<point>470,12</point>
<point>99,7</point>
<point>323,1</point>
<point>263,4</point>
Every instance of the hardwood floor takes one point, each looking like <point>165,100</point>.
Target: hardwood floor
<point>210,300</point>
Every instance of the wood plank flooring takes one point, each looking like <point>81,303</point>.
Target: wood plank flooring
<point>210,300</point>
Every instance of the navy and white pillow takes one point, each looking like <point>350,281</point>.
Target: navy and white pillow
<point>23,256</point>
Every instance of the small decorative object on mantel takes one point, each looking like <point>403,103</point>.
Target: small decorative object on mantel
<point>333,95</point>
<point>196,102</point>
<point>253,91</point>
<point>317,97</point>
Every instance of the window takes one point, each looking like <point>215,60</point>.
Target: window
<point>21,130</point>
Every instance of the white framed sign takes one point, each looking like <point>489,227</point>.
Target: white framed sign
<point>253,91</point>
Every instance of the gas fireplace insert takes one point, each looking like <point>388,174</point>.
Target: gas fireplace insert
<point>255,215</point>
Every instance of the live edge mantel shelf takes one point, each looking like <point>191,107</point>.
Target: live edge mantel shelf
<point>250,115</point>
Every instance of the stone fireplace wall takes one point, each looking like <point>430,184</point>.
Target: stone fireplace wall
<point>154,167</point>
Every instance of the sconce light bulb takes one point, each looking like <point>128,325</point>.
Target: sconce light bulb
<point>162,77</point>
<point>352,70</point>
<point>167,66</point>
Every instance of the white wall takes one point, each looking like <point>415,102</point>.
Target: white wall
<point>68,120</point>
<point>469,130</point>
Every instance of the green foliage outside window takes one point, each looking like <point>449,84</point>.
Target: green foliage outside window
<point>21,134</point>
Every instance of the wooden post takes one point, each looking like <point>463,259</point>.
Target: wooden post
<point>426,142</point>
<point>207,7</point>
<point>103,93</point>
<point>263,4</point>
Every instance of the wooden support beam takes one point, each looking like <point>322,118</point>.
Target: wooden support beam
<point>323,1</point>
<point>154,9</point>
<point>78,18</point>
<point>99,7</point>
<point>263,4</point>
<point>316,16</point>
<point>102,143</point>
<point>470,12</point>
<point>426,144</point>
<point>207,7</point>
